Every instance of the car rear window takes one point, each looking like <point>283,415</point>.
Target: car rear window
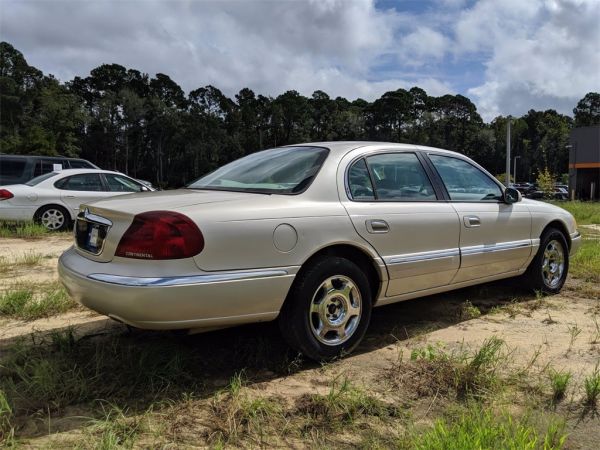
<point>38,180</point>
<point>285,170</point>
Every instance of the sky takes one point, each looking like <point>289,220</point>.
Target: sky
<point>507,56</point>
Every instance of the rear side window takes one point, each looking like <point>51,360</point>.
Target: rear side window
<point>46,166</point>
<point>359,182</point>
<point>12,169</point>
<point>82,182</point>
<point>464,181</point>
<point>117,183</point>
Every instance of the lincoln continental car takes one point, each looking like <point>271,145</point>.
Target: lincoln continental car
<point>313,235</point>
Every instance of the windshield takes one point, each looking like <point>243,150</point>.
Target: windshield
<point>38,180</point>
<point>286,170</point>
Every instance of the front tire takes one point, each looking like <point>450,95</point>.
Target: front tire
<point>328,309</point>
<point>548,271</point>
<point>53,217</point>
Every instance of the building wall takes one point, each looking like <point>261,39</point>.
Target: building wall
<point>584,163</point>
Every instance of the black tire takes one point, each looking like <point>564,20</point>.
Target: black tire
<point>538,273</point>
<point>297,323</point>
<point>53,217</point>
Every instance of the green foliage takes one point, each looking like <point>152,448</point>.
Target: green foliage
<point>592,388</point>
<point>6,416</point>
<point>30,302</point>
<point>559,382</point>
<point>22,230</point>
<point>587,111</point>
<point>545,181</point>
<point>147,127</point>
<point>585,213</point>
<point>481,429</point>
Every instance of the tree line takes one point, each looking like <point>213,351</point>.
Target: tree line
<point>147,127</point>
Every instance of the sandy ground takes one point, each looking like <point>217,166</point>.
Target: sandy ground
<point>562,331</point>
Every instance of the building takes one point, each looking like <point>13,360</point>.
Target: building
<point>584,163</point>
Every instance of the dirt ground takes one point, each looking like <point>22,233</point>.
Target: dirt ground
<point>560,331</point>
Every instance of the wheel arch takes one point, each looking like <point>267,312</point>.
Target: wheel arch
<point>357,255</point>
<point>55,204</point>
<point>560,226</point>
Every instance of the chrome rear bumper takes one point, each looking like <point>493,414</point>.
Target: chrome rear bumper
<point>176,302</point>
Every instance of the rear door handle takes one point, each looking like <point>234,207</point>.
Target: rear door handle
<point>377,226</point>
<point>472,221</point>
<point>69,196</point>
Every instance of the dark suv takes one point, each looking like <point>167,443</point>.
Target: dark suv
<point>19,169</point>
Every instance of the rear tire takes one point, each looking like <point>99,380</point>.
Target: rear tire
<point>53,217</point>
<point>548,270</point>
<point>328,309</point>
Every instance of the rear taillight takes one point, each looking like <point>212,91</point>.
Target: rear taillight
<point>5,194</point>
<point>161,235</point>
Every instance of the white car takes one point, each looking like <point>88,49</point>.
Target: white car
<point>53,199</point>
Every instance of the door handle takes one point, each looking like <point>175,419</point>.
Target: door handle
<point>472,221</point>
<point>69,196</point>
<point>377,226</point>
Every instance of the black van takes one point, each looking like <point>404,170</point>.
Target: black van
<point>19,169</point>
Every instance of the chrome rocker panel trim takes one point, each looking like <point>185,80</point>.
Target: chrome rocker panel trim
<point>184,280</point>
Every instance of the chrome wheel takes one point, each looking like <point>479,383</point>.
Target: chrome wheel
<point>553,264</point>
<point>335,310</point>
<point>53,219</point>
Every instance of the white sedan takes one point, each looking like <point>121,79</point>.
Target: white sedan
<point>53,199</point>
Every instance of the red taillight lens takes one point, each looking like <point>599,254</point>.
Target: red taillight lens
<point>161,235</point>
<point>5,194</point>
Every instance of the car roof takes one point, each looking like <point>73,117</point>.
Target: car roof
<point>342,147</point>
<point>6,155</point>
<point>83,171</point>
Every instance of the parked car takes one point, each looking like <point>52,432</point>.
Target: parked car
<point>557,194</point>
<point>19,169</point>
<point>313,235</point>
<point>53,199</point>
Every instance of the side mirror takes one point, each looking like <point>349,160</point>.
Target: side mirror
<point>511,195</point>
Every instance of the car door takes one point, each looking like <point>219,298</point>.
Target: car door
<point>393,205</point>
<point>81,188</point>
<point>495,236</point>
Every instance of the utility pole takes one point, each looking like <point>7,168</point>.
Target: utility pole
<point>507,181</point>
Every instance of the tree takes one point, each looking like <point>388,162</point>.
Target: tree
<point>587,111</point>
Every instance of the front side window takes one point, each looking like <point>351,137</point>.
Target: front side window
<point>117,183</point>
<point>400,177</point>
<point>286,170</point>
<point>82,182</point>
<point>465,182</point>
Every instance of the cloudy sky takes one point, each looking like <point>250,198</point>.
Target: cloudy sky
<point>506,55</point>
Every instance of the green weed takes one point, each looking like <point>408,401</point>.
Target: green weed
<point>481,429</point>
<point>559,382</point>
<point>592,388</point>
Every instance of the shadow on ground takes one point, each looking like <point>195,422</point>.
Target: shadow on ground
<point>53,374</point>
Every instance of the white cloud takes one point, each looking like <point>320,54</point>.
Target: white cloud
<point>422,46</point>
<point>269,46</point>
<point>543,54</point>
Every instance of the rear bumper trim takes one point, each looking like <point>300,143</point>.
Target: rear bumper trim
<point>185,280</point>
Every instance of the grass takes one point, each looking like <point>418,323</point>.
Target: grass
<point>24,230</point>
<point>6,415</point>
<point>585,264</point>
<point>343,405</point>
<point>585,213</point>
<point>559,382</point>
<point>591,384</point>
<point>482,429</point>
<point>469,311</point>
<point>30,302</point>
